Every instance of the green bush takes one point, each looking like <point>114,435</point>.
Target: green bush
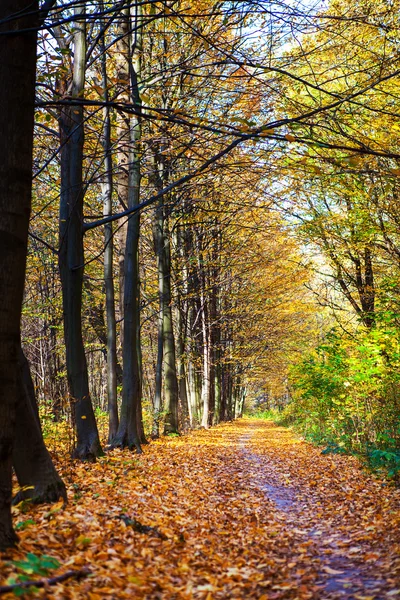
<point>346,394</point>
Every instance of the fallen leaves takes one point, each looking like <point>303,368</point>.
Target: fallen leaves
<point>227,513</point>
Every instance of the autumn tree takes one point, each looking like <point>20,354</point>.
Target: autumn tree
<point>167,93</point>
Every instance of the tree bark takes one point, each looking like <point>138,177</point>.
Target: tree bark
<point>205,328</point>
<point>107,189</point>
<point>32,462</point>
<point>130,430</point>
<point>122,59</point>
<point>181,332</point>
<point>180,352</point>
<point>206,384</point>
<point>71,256</point>
<point>194,395</point>
<point>17,78</point>
<point>171,395</point>
<point>158,226</point>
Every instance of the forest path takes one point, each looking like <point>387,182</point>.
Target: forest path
<point>346,520</point>
<point>243,510</point>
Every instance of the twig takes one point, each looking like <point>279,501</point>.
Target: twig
<point>140,528</point>
<point>44,582</point>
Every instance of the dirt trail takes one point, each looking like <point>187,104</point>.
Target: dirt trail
<point>331,507</point>
<point>244,510</point>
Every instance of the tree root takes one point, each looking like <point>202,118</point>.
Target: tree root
<point>47,494</point>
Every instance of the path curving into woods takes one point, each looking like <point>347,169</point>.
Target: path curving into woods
<point>243,510</point>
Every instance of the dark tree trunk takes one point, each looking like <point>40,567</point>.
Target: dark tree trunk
<point>130,431</point>
<point>17,79</point>
<point>107,188</point>
<point>139,412</point>
<point>166,352</point>
<point>31,460</point>
<point>98,323</point>
<point>71,258</point>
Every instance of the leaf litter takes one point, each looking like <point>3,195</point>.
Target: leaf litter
<point>243,510</point>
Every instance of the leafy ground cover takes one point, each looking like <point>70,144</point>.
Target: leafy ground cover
<point>245,510</point>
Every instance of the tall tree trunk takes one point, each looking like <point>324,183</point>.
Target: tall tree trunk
<point>206,384</point>
<point>193,395</point>
<point>71,255</point>
<point>205,328</point>
<point>130,430</point>
<point>194,332</point>
<point>158,226</point>
<point>231,396</point>
<point>224,393</point>
<point>217,389</point>
<point>171,396</point>
<point>17,76</point>
<point>180,352</point>
<point>239,395</point>
<point>32,462</point>
<point>181,334</point>
<point>216,324</point>
<point>139,409</point>
<point>212,340</point>
<point>186,329</point>
<point>107,189</point>
<point>122,61</point>
<point>166,354</point>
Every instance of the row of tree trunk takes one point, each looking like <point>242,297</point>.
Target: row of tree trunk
<point>191,386</point>
<point>194,383</point>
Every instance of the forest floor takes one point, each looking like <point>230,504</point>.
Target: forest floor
<point>243,510</point>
